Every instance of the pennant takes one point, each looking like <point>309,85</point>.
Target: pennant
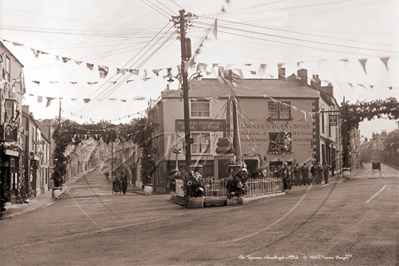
<point>385,61</point>
<point>92,83</point>
<point>350,84</point>
<point>390,88</point>
<point>371,87</point>
<point>103,71</point>
<point>66,59</point>
<point>35,52</point>
<point>31,94</point>
<point>113,82</point>
<point>86,100</point>
<point>112,99</point>
<point>17,44</point>
<point>43,52</point>
<point>156,71</point>
<point>35,81</point>
<point>252,72</point>
<point>134,71</point>
<point>78,62</point>
<point>48,101</point>
<point>361,85</point>
<point>73,82</point>
<point>90,66</point>
<point>39,99</point>
<point>119,71</point>
<point>215,30</point>
<point>130,80</point>
<point>363,63</point>
<point>123,100</point>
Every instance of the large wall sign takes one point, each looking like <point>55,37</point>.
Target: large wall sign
<point>202,124</point>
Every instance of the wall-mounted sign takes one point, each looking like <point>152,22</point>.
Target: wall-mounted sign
<point>41,142</point>
<point>11,153</point>
<point>202,124</point>
<point>333,120</point>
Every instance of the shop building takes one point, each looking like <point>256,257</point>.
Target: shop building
<point>283,119</point>
<point>12,88</point>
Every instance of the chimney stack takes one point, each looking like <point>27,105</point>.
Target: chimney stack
<point>281,73</point>
<point>303,75</point>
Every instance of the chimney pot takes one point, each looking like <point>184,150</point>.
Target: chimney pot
<point>281,73</point>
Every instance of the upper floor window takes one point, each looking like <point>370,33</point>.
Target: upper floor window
<point>201,143</point>
<point>279,110</point>
<point>8,69</point>
<point>200,108</point>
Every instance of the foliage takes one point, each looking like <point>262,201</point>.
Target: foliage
<point>236,183</point>
<point>193,187</point>
<point>353,114</point>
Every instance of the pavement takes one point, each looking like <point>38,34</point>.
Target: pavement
<point>47,198</point>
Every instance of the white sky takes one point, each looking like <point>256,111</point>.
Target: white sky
<point>112,33</point>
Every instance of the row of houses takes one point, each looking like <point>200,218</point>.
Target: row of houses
<point>25,143</point>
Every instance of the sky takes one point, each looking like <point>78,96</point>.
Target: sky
<point>329,38</point>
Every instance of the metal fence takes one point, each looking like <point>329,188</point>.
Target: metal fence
<point>256,187</point>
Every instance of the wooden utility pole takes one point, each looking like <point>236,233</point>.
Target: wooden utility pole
<point>185,56</point>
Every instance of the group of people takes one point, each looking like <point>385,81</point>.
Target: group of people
<point>299,175</point>
<point>122,181</point>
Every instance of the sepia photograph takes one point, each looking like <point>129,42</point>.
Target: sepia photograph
<point>207,132</point>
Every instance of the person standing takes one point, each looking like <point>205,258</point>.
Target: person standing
<point>326,169</point>
<point>305,174</point>
<point>124,182</point>
<point>313,172</point>
<point>319,173</point>
<point>297,174</point>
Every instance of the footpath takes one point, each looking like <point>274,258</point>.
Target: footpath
<point>47,199</point>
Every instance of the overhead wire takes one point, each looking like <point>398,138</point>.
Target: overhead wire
<point>155,8</point>
<point>125,65</point>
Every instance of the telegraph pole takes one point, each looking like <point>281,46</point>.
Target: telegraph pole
<point>185,56</point>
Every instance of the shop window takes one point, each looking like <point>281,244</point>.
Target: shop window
<point>279,110</point>
<point>201,143</point>
<point>280,142</point>
<point>200,108</point>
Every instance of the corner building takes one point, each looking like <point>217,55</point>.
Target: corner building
<point>283,119</point>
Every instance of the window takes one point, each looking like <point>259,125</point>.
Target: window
<point>201,143</point>
<point>280,142</point>
<point>7,68</point>
<point>279,111</point>
<point>200,108</point>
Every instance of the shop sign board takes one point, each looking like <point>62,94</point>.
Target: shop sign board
<point>202,124</point>
<point>11,153</point>
<point>333,120</point>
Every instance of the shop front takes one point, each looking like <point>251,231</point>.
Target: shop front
<point>10,185</point>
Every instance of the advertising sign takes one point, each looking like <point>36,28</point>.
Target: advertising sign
<point>202,124</point>
<point>333,120</point>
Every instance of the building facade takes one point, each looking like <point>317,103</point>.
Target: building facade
<point>12,88</point>
<point>280,120</point>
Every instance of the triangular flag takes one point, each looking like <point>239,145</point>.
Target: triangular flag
<point>66,59</point>
<point>385,61</point>
<point>48,101</point>
<point>363,63</point>
<point>130,80</point>
<point>103,70</point>
<point>73,82</point>
<point>361,85</point>
<point>90,66</point>
<point>35,81</point>
<point>78,62</point>
<point>35,52</point>
<point>252,72</point>
<point>86,100</point>
<point>17,44</point>
<point>92,83</point>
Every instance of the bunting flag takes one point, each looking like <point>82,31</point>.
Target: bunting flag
<point>66,59</point>
<point>90,66</point>
<point>215,30</point>
<point>385,61</point>
<point>363,63</point>
<point>119,71</point>
<point>86,100</point>
<point>78,62</point>
<point>48,101</point>
<point>35,81</point>
<point>146,75</point>
<point>252,72</point>
<point>134,71</point>
<point>39,99</point>
<point>35,52</point>
<point>92,83</point>
<point>73,83</point>
<point>156,71</point>
<point>53,82</point>
<point>130,80</point>
<point>103,71</point>
<point>123,100</point>
<point>361,85</point>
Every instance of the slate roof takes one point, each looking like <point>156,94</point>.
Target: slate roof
<point>286,88</point>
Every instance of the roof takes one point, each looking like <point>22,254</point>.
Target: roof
<point>216,88</point>
<point>16,59</point>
